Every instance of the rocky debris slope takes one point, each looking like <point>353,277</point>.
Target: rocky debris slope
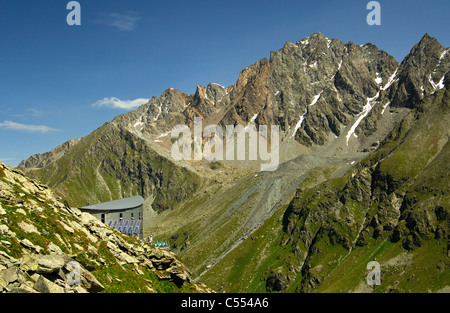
<point>35,273</point>
<point>46,246</point>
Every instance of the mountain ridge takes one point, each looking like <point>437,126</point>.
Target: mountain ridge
<point>335,103</point>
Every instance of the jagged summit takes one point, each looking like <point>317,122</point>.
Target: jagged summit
<point>320,91</point>
<point>421,72</point>
<point>281,89</point>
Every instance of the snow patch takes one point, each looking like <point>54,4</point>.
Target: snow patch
<point>366,109</point>
<point>316,98</point>
<point>378,79</point>
<point>305,42</point>
<point>439,85</point>
<point>390,80</point>
<point>206,97</point>
<point>159,112</point>
<point>440,59</point>
<point>252,121</point>
<point>139,123</point>
<point>385,107</point>
<point>165,134</point>
<point>443,55</point>
<point>218,85</point>
<point>299,124</point>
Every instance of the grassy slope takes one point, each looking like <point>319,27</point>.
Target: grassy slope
<point>206,223</point>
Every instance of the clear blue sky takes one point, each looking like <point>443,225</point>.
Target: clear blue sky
<point>58,81</point>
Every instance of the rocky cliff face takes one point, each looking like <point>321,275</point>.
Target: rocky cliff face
<point>48,247</point>
<point>317,90</point>
<point>421,73</point>
<point>310,88</point>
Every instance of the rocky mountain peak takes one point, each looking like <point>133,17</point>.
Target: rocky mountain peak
<point>421,72</point>
<point>321,92</point>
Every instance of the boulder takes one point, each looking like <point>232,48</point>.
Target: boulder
<point>28,244</point>
<point>9,276</point>
<point>4,229</point>
<point>21,288</point>
<point>29,263</point>
<point>28,228</point>
<point>43,285</point>
<point>90,283</point>
<point>50,263</point>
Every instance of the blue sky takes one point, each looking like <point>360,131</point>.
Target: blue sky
<point>59,82</point>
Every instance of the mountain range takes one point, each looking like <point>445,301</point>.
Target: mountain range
<point>362,175</point>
